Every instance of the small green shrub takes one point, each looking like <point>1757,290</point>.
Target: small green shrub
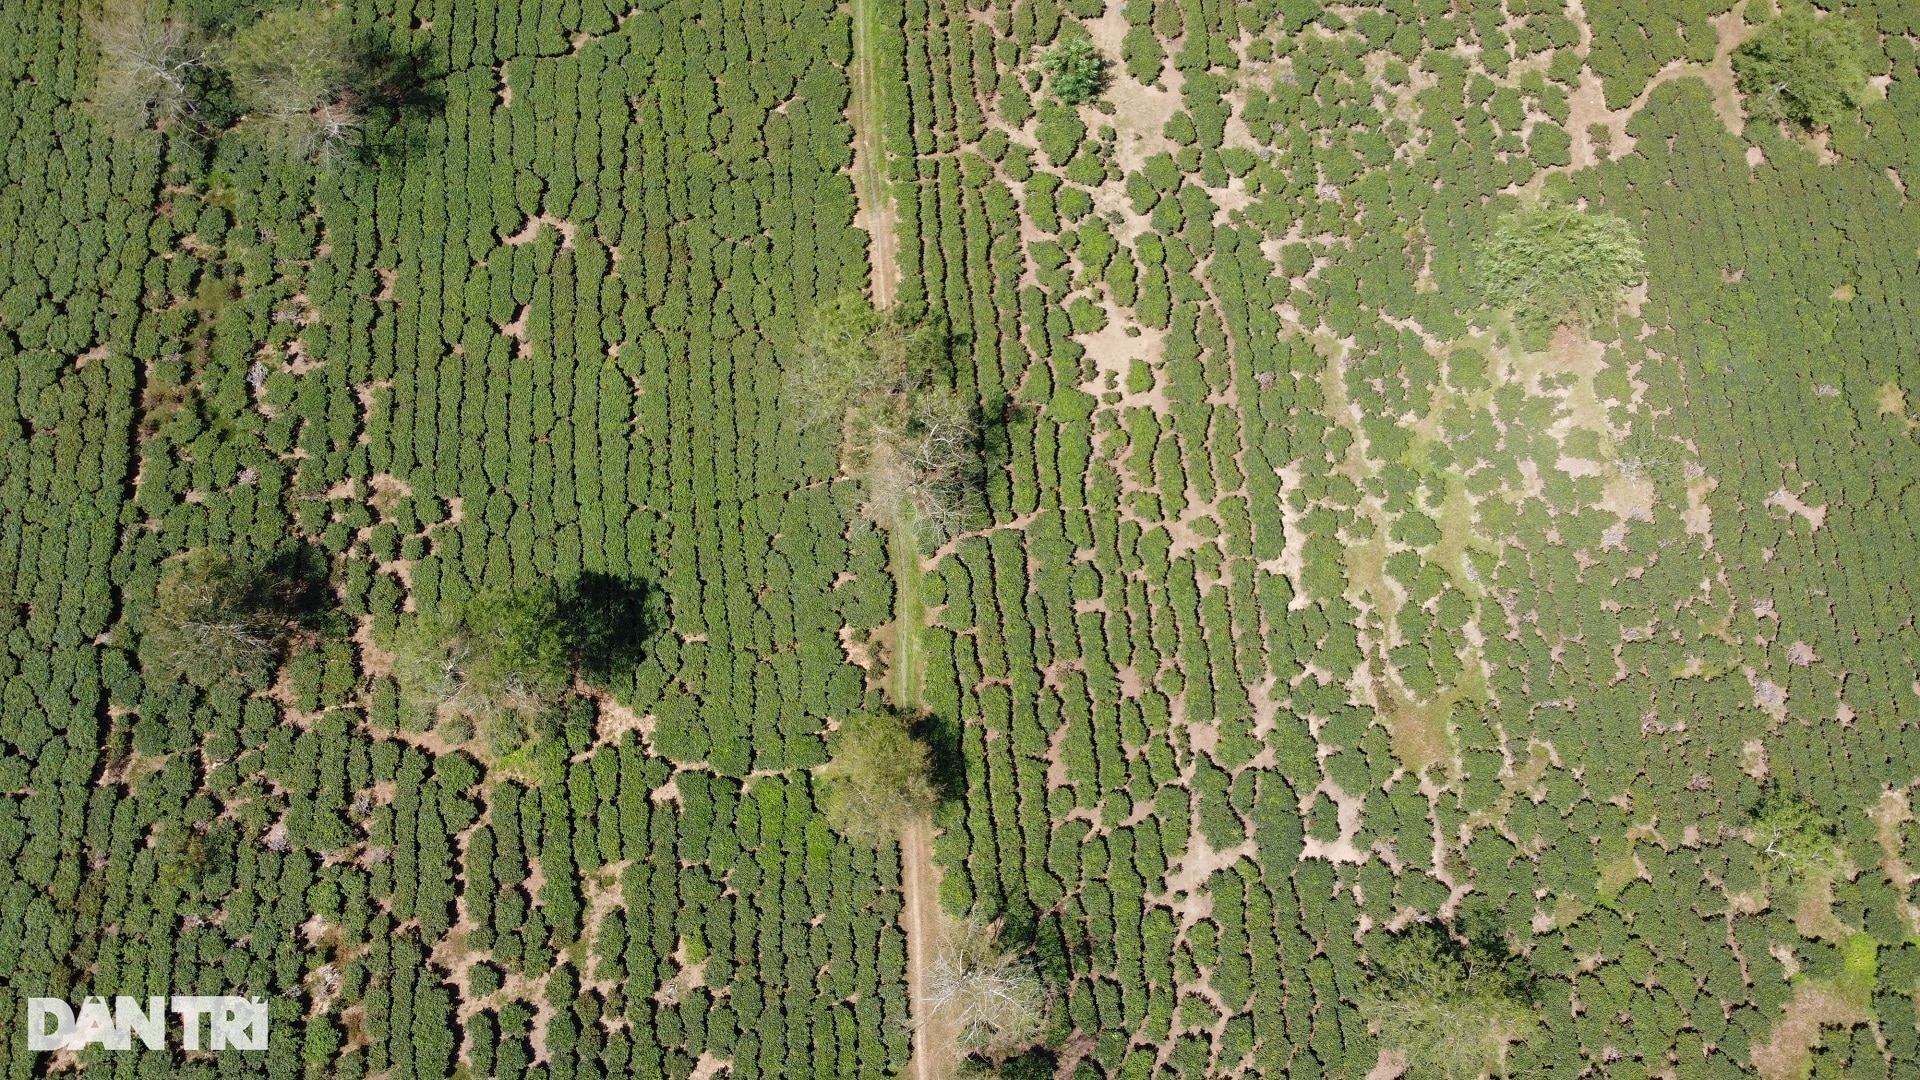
<point>1075,70</point>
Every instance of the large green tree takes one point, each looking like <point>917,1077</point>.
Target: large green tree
<point>1451,1007</point>
<point>1803,68</point>
<point>879,777</point>
<point>508,652</point>
<point>297,72</point>
<point>1798,840</point>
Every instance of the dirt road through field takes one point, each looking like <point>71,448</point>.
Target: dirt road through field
<point>920,916</point>
<point>870,159</point>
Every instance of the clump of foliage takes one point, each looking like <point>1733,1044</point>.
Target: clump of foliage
<point>1642,455</point>
<point>1796,838</point>
<point>1802,68</point>
<point>502,657</point>
<point>193,857</point>
<point>1075,70</point>
<point>497,650</point>
<point>990,995</point>
<point>908,438</point>
<point>296,72</point>
<point>879,778</point>
<point>1453,1006</point>
<point>1558,264</point>
<point>219,614</point>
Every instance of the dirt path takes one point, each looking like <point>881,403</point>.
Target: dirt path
<point>920,914</point>
<point>921,918</point>
<point>870,158</point>
<point>909,614</point>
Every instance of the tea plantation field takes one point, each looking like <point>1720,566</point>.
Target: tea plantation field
<point>1330,673</point>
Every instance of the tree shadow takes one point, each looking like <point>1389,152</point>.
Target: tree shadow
<point>931,348</point>
<point>296,581</point>
<point>948,766</point>
<point>607,621</point>
<point>1469,952</point>
<point>997,414</point>
<point>400,94</point>
<point>1479,929</point>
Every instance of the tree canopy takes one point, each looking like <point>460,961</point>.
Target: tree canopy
<point>519,651</point>
<point>1452,1008</point>
<point>151,68</point>
<point>296,72</point>
<point>990,995</point>
<point>222,614</point>
<point>1803,68</point>
<point>1558,264</point>
<point>1796,838</point>
<point>879,777</point>
<point>909,438</point>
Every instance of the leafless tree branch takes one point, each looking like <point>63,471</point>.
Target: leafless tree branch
<point>147,65</point>
<point>990,996</point>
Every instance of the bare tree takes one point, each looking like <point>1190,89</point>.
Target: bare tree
<point>991,997</point>
<point>910,441</point>
<point>443,684</point>
<point>432,662</point>
<point>325,129</point>
<point>918,470</point>
<point>147,66</point>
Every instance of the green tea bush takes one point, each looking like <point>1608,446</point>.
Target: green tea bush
<point>1555,264</point>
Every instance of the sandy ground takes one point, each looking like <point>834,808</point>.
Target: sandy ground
<point>1140,113</point>
<point>1813,1007</point>
<point>532,229</point>
<point>1588,103</point>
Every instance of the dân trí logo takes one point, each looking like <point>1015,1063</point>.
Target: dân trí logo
<point>232,1023</point>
